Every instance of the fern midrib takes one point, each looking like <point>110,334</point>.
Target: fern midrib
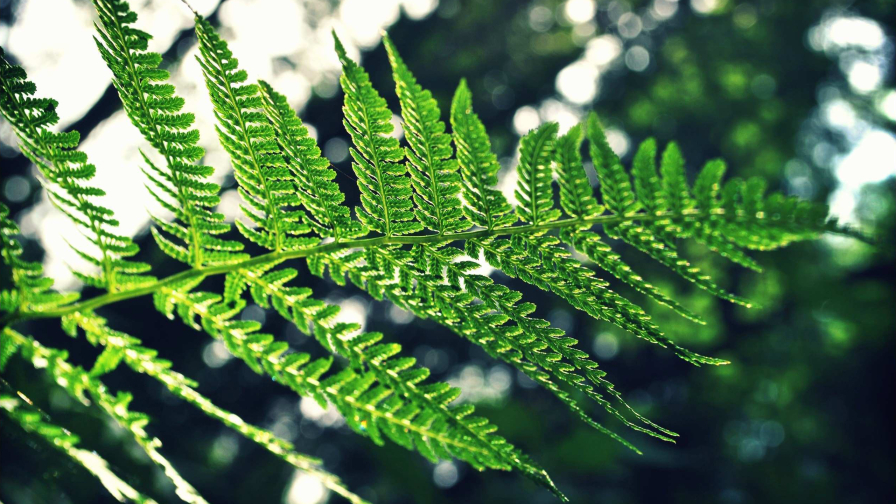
<point>272,208</point>
<point>108,270</point>
<point>277,257</point>
<point>203,312</point>
<point>185,202</point>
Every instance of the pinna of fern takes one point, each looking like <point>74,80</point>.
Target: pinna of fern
<point>181,186</point>
<point>295,210</point>
<point>65,172</point>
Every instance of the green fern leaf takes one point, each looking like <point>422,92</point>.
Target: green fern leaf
<point>398,407</point>
<point>433,172</point>
<point>385,192</point>
<point>21,411</point>
<point>391,377</point>
<point>485,205</point>
<point>66,172</point>
<point>312,173</point>
<point>243,129</point>
<point>576,196</point>
<point>534,192</point>
<point>30,289</point>
<point>605,258</point>
<point>145,361</point>
<point>617,192</point>
<point>538,260</point>
<point>78,382</point>
<point>182,187</point>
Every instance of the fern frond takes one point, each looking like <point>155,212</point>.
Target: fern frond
<point>534,192</point>
<point>182,187</point>
<point>576,196</point>
<point>485,205</point>
<point>319,193</point>
<point>30,289</point>
<point>377,396</point>
<point>482,312</point>
<point>433,172</point>
<point>537,340</point>
<point>123,348</point>
<point>80,383</point>
<point>386,195</point>
<point>21,411</point>
<point>538,260</point>
<point>259,168</point>
<point>591,244</point>
<point>65,174</point>
<point>709,231</point>
<point>617,192</point>
<point>757,222</point>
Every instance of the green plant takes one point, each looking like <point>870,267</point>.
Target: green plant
<point>425,216</point>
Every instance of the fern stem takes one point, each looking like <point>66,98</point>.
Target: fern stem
<point>363,243</point>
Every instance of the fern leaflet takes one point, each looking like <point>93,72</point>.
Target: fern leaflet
<point>385,191</point>
<point>485,205</point>
<point>65,171</point>
<point>243,129</point>
<point>182,188</point>
<point>433,172</point>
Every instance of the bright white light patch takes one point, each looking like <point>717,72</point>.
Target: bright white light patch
<point>864,77</point>
<point>578,82</point>
<point>525,120</point>
<point>579,11</point>
<point>445,474</point>
<point>705,6</point>
<point>305,489</point>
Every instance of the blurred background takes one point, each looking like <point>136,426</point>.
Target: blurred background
<point>799,92</point>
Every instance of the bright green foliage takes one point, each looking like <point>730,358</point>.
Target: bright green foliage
<point>30,289</point>
<point>312,173</point>
<point>433,172</point>
<point>66,171</point>
<point>711,233</point>
<point>154,108</point>
<point>79,384</point>
<point>296,212</point>
<point>538,260</point>
<point>262,173</point>
<point>534,192</point>
<point>485,205</point>
<point>19,409</point>
<point>379,396</point>
<point>617,192</point>
<point>122,348</point>
<point>385,191</point>
<point>576,196</point>
<point>605,258</point>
